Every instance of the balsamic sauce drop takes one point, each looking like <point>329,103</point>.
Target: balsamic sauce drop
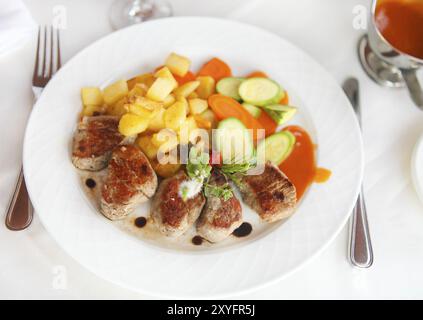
<point>140,222</point>
<point>90,183</point>
<point>243,231</point>
<point>197,241</point>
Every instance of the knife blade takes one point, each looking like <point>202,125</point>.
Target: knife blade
<point>352,90</point>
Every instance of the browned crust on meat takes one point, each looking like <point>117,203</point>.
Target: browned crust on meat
<point>228,211</point>
<point>96,136</point>
<point>219,217</point>
<point>227,214</point>
<point>172,207</point>
<point>271,194</point>
<point>130,173</point>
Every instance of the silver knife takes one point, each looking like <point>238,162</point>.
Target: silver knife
<point>361,251</point>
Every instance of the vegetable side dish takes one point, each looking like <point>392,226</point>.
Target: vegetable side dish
<point>186,140</point>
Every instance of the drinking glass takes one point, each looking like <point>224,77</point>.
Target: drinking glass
<point>124,13</point>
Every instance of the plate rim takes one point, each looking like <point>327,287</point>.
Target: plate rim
<point>218,295</point>
<point>417,150</point>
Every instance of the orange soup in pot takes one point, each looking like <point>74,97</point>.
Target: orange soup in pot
<point>401,23</point>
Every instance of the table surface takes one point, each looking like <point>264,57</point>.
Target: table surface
<point>33,266</point>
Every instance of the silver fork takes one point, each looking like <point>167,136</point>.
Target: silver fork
<point>20,211</point>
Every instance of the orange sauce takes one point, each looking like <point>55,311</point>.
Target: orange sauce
<point>401,23</point>
<point>300,166</point>
<point>257,74</point>
<point>322,175</point>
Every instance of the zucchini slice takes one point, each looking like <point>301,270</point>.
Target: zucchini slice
<point>278,98</point>
<point>229,87</point>
<point>260,91</point>
<point>277,147</point>
<point>233,140</point>
<point>253,110</point>
<point>280,113</point>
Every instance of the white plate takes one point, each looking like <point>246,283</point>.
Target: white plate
<point>417,168</point>
<point>235,267</point>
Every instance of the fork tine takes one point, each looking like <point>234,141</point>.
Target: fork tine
<point>37,55</point>
<point>59,59</point>
<point>50,74</point>
<point>43,73</point>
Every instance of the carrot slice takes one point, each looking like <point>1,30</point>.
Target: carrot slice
<point>257,74</point>
<point>226,107</point>
<point>186,78</point>
<point>215,68</point>
<point>285,100</point>
<point>202,123</point>
<point>268,123</point>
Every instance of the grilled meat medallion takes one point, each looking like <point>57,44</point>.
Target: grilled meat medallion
<point>130,181</point>
<point>219,217</point>
<point>172,215</point>
<point>94,141</point>
<point>270,194</point>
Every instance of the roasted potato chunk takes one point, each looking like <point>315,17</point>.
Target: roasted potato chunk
<point>147,103</point>
<point>175,116</point>
<point>132,124</point>
<point>141,111</point>
<point>177,64</point>
<point>197,106</point>
<point>193,95</point>
<point>115,92</point>
<point>146,79</point>
<point>166,170</point>
<point>166,140</point>
<point>139,90</point>
<point>119,108</point>
<point>150,150</point>
<point>160,89</point>
<point>184,133</point>
<point>165,73</point>
<point>91,96</point>
<point>186,89</point>
<point>206,88</point>
<point>170,99</point>
<point>157,122</point>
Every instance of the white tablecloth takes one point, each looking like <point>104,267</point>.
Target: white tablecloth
<point>32,265</point>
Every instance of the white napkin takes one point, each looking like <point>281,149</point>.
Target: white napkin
<point>16,25</point>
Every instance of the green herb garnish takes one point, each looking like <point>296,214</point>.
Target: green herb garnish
<point>199,169</point>
<point>235,171</point>
<point>198,166</point>
<point>224,191</point>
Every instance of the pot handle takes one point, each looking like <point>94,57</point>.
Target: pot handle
<point>413,86</point>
